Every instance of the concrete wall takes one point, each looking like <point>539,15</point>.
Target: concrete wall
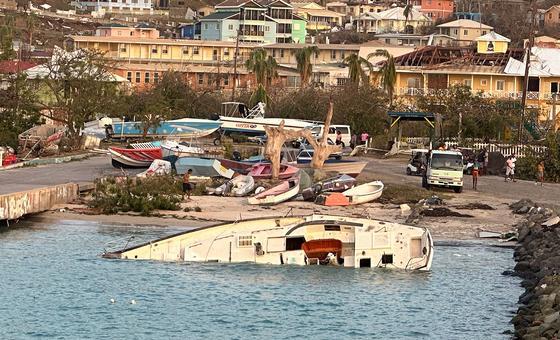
<point>18,204</point>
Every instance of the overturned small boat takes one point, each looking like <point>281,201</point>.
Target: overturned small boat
<point>334,184</point>
<point>278,194</point>
<point>134,158</point>
<point>299,240</point>
<point>202,167</point>
<point>240,185</point>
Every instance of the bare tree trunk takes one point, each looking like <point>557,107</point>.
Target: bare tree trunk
<point>277,136</point>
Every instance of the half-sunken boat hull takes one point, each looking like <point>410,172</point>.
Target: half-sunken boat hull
<point>282,240</point>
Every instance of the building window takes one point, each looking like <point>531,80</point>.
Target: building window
<point>185,50</point>
<point>333,54</point>
<point>205,26</point>
<point>147,77</point>
<point>195,50</point>
<point>273,53</point>
<point>296,27</point>
<point>500,85</point>
<point>483,82</point>
<point>456,31</point>
<point>467,82</point>
<point>554,87</point>
<point>154,49</point>
<point>226,52</point>
<point>137,76</point>
<point>281,53</point>
<point>226,80</point>
<point>123,48</point>
<point>129,76</point>
<point>230,27</point>
<point>164,49</point>
<point>156,77</point>
<point>342,55</point>
<point>200,78</point>
<point>465,32</point>
<point>267,29</point>
<point>484,32</point>
<point>341,81</point>
<point>217,26</point>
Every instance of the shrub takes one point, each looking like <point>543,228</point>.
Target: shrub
<point>144,195</point>
<point>526,167</point>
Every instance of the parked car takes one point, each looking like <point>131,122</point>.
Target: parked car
<point>344,130</point>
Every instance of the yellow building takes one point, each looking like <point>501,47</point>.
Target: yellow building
<point>465,31</point>
<point>318,17</point>
<point>492,43</point>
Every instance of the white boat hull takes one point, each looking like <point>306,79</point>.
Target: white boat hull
<point>364,193</point>
<point>256,126</point>
<point>281,240</point>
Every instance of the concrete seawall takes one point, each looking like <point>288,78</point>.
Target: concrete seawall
<point>17,204</point>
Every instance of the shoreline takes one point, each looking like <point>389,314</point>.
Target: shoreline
<point>440,220</point>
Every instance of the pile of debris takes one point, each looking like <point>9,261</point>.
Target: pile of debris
<point>538,264</point>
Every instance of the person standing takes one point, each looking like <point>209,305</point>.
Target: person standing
<point>540,173</point>
<point>486,160</point>
<point>187,185</point>
<point>510,168</point>
<point>475,175</point>
<point>338,137</point>
<point>364,137</point>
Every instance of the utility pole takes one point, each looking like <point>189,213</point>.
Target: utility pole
<point>235,64</point>
<point>528,49</point>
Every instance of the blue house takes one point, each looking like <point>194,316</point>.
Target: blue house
<point>189,31</point>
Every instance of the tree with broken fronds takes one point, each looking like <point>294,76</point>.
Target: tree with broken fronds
<point>356,72</point>
<point>265,69</point>
<point>277,136</point>
<point>78,87</point>
<point>387,73</point>
<point>304,65</point>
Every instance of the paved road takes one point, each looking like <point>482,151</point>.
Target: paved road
<point>388,170</point>
<point>393,171</point>
<point>21,179</point>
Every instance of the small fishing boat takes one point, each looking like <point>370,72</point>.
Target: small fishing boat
<point>169,148</point>
<point>242,185</point>
<point>357,195</point>
<point>334,163</point>
<point>335,184</point>
<point>286,190</point>
<point>134,158</point>
<point>236,117</point>
<point>295,240</point>
<point>203,167</point>
<point>239,167</point>
<point>180,128</point>
<point>158,167</point>
<point>264,171</point>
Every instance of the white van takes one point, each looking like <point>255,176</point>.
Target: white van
<point>344,130</point>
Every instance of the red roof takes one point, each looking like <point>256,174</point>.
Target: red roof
<point>11,66</point>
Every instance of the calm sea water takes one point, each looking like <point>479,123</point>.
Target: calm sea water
<point>53,284</point>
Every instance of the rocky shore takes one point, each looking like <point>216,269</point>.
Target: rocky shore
<point>538,264</point>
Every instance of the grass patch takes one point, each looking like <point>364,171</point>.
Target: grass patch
<point>124,194</point>
<point>407,194</point>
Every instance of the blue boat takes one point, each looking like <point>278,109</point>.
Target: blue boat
<point>202,167</point>
<point>185,128</point>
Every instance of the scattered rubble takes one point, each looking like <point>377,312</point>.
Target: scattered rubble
<point>474,206</point>
<point>538,264</point>
<point>442,212</point>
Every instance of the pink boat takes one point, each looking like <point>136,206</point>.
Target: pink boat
<point>278,194</point>
<point>264,171</point>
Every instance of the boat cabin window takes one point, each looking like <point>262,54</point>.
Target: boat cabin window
<point>332,227</point>
<point>365,263</point>
<point>387,258</point>
<point>244,241</point>
<point>294,243</point>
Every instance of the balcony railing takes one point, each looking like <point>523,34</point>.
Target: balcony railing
<point>413,91</point>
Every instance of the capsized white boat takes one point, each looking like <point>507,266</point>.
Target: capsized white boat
<point>364,193</point>
<point>299,240</point>
<point>173,148</point>
<point>242,185</point>
<point>284,191</point>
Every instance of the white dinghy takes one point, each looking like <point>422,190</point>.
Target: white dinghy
<point>299,240</point>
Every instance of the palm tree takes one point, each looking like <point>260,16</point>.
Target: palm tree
<point>356,66</point>
<point>265,69</point>
<point>407,12</point>
<point>387,73</point>
<point>304,65</point>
